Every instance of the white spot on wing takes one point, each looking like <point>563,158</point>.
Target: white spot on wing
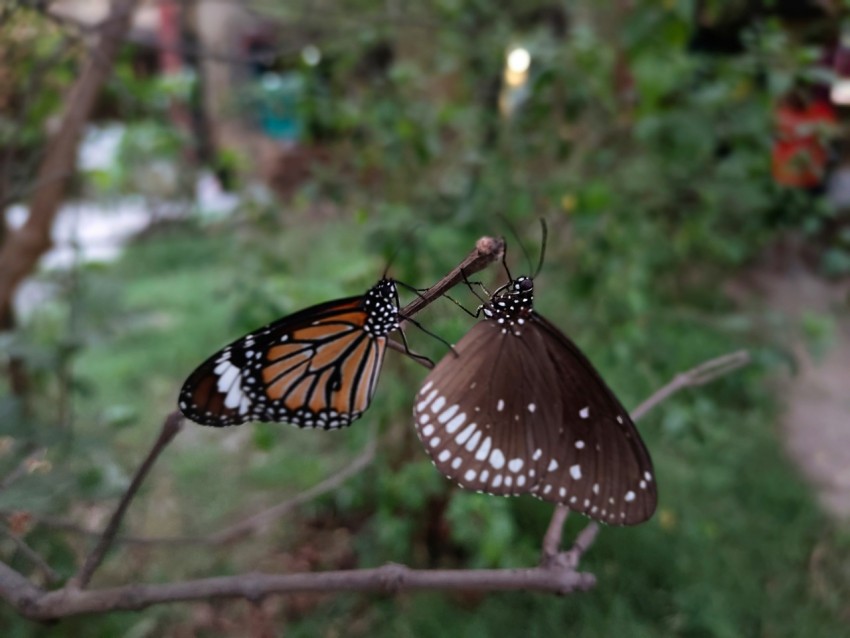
<point>444,456</point>
<point>473,442</point>
<point>484,450</point>
<point>537,454</point>
<point>463,436</point>
<point>500,405</point>
<point>579,444</point>
<point>584,412</point>
<point>470,475</point>
<point>553,465</point>
<point>424,402</point>
<point>575,471</point>
<point>234,397</point>
<point>515,465</point>
<point>497,459</point>
<point>630,496</point>
<point>438,404</point>
<point>428,430</point>
<point>456,422</point>
<point>448,413</point>
<point>227,374</point>
<point>531,407</point>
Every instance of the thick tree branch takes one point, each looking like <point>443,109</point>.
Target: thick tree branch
<point>391,578</point>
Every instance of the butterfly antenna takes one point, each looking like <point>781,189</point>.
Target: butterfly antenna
<point>408,235</point>
<point>544,234</point>
<point>522,247</point>
<point>461,306</point>
<point>390,262</point>
<point>416,291</point>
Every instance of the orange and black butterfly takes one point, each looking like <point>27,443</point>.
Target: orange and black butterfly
<point>317,368</point>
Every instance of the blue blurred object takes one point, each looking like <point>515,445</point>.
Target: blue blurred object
<point>279,99</point>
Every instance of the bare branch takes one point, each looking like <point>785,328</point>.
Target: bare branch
<point>17,590</point>
<point>552,538</point>
<point>487,250</point>
<point>391,578</point>
<point>31,555</point>
<point>700,375</point>
<point>170,428</point>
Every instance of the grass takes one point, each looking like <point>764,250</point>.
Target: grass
<point>738,547</point>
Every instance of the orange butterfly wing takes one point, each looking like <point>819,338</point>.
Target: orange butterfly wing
<point>316,368</point>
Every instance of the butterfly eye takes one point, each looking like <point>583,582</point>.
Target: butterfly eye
<point>525,284</point>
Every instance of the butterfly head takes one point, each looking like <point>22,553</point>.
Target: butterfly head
<point>381,305</point>
<point>512,305</point>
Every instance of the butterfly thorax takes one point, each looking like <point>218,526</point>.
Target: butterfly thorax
<point>381,306</point>
<point>512,305</point>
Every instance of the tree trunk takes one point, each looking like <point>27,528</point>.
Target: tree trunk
<point>20,252</point>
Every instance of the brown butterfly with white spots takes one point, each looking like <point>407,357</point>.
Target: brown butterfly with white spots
<point>518,409</point>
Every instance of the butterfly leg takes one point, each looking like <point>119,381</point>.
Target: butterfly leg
<point>410,352</point>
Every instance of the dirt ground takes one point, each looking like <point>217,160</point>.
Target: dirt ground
<point>816,418</point>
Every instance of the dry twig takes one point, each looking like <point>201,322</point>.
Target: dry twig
<point>34,557</point>
<point>170,428</point>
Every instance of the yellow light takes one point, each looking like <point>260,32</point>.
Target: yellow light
<point>519,60</point>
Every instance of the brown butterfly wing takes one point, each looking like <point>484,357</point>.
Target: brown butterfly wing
<point>528,413</point>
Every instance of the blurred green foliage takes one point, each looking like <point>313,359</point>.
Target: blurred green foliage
<point>657,189</point>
